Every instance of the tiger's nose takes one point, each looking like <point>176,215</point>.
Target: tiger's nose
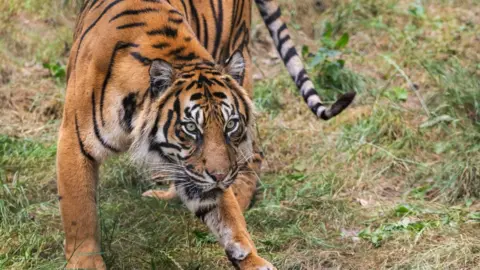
<point>217,176</point>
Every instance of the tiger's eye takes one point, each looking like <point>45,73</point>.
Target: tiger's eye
<point>191,127</point>
<point>231,124</point>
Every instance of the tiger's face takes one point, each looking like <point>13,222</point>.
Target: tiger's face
<point>201,134</point>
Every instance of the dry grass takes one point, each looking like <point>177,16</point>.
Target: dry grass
<point>391,183</point>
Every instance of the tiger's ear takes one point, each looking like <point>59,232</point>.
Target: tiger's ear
<point>161,77</point>
<point>235,66</point>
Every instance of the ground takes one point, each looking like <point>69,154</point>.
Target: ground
<point>393,182</point>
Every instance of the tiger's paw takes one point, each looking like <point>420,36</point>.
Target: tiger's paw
<point>86,262</point>
<point>244,261</point>
<point>161,194</point>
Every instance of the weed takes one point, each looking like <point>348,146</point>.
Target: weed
<point>331,75</point>
<point>57,70</point>
<point>460,88</point>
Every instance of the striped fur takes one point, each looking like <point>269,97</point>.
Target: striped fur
<point>271,15</point>
<point>139,80</point>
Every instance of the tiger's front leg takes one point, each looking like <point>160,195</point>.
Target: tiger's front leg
<point>224,218</point>
<point>77,174</point>
<point>245,185</point>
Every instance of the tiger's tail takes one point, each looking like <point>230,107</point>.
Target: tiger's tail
<point>271,14</point>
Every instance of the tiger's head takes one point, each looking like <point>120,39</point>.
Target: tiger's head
<point>198,131</point>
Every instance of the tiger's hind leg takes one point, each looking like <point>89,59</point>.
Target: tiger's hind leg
<point>162,194</point>
<point>245,186</point>
<point>77,174</point>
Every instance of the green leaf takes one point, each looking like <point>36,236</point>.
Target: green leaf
<point>474,216</point>
<point>305,51</point>
<point>319,58</point>
<point>403,209</point>
<point>328,30</point>
<point>401,93</point>
<point>342,42</point>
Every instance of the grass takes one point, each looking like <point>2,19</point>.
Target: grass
<point>392,183</point>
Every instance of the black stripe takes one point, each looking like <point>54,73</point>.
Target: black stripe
<point>241,30</point>
<point>201,212</point>
<point>237,106</point>
<point>174,11</point>
<point>282,41</point>
<point>88,3</point>
<point>168,145</point>
<point>175,21</point>
<point>131,25</point>
<point>133,12</point>
<point>290,53</point>
<point>315,107</point>
<point>195,17</point>
<point>166,31</point>
<point>196,96</point>
<point>179,83</point>
<point>300,76</point>
<point>310,92</point>
<point>232,27</point>
<point>192,84</point>
<point>273,17</point>
<point>188,76</point>
<point>240,16</point>
<point>189,57</point>
<point>213,73</point>
<point>205,33</point>
<point>184,9</point>
<point>167,124</point>
<point>120,45</point>
<point>280,30</point>
<point>154,130</point>
<point>99,4</point>
<point>218,25</point>
<point>203,80</point>
<point>161,45</point>
<point>111,5</point>
<point>191,191</point>
<point>155,147</point>
<point>129,104</point>
<point>218,82</point>
<point>176,51</point>
<point>80,142</point>
<point>220,95</point>
<point>302,81</point>
<point>97,130</point>
<point>144,60</point>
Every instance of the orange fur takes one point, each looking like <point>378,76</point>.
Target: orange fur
<point>116,101</point>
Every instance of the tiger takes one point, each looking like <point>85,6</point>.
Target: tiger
<point>170,82</point>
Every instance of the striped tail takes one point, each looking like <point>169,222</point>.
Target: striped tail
<point>286,48</point>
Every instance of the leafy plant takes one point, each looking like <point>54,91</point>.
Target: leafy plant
<point>57,70</point>
<point>331,76</point>
<point>417,10</point>
<point>397,94</point>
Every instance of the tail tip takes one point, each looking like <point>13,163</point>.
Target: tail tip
<point>341,104</point>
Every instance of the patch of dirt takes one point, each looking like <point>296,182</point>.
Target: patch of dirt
<point>30,103</point>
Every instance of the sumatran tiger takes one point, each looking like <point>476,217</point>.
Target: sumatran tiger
<point>170,82</point>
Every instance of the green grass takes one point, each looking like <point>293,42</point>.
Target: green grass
<point>392,183</point>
